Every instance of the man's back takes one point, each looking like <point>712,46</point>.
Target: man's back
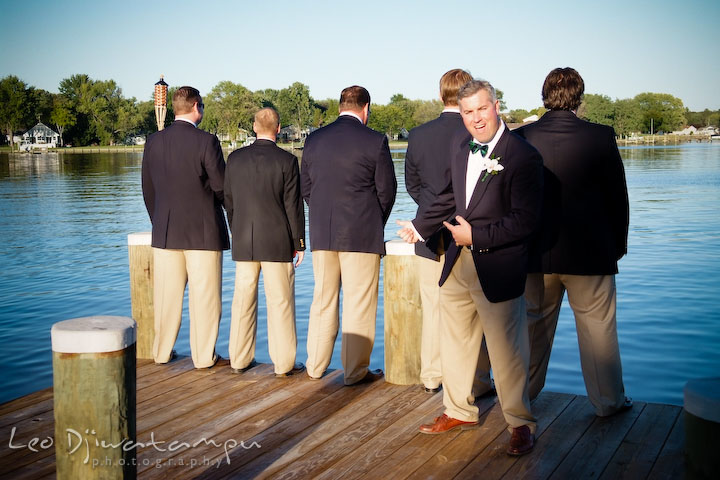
<point>585,210</point>
<point>183,173</point>
<point>262,195</point>
<point>349,183</point>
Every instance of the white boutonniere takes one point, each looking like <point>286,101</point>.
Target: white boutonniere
<point>492,166</point>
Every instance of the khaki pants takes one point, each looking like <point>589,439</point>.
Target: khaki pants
<point>279,281</point>
<point>430,368</point>
<point>593,300</point>
<point>201,270</point>
<point>359,274</point>
<point>467,316</point>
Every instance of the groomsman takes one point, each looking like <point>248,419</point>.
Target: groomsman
<point>348,182</point>
<point>183,171</point>
<point>427,172</point>
<point>495,194</point>
<point>583,235</point>
<point>267,221</point>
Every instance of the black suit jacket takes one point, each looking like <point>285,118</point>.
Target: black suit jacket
<point>504,211</point>
<point>427,168</point>
<point>182,180</point>
<point>348,182</point>
<point>263,203</point>
<point>585,213</point>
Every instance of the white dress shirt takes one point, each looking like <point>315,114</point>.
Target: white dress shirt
<point>476,164</point>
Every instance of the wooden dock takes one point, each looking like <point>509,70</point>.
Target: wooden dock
<point>214,424</point>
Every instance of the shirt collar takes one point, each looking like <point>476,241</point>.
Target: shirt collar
<point>451,110</point>
<point>351,114</point>
<point>491,144</point>
<point>186,120</point>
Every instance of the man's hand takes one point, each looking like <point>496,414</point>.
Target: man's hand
<point>407,233</point>
<point>462,233</point>
<point>299,258</point>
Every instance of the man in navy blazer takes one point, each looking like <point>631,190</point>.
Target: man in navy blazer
<point>583,235</point>
<point>183,171</point>
<point>348,182</point>
<point>494,197</point>
<point>427,172</point>
<point>267,220</point>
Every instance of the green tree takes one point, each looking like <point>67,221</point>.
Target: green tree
<point>41,106</point>
<point>75,89</point>
<point>426,111</point>
<point>295,106</point>
<point>597,109</point>
<point>660,111</point>
<point>330,109</point>
<point>228,107</point>
<point>62,116</point>
<point>500,95</point>
<point>628,118</point>
<point>387,119</point>
<point>404,108</point>
<point>13,106</point>
<point>516,116</point>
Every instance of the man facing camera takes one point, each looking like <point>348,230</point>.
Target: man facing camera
<point>583,235</point>
<point>267,221</point>
<point>183,171</point>
<point>427,172</point>
<point>348,182</point>
<point>495,198</point>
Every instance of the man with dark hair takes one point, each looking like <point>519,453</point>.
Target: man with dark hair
<point>583,235</point>
<point>267,221</point>
<point>427,172</point>
<point>183,171</point>
<point>348,182</point>
<point>495,198</point>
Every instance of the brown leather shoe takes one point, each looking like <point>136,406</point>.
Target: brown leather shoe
<point>369,377</point>
<point>521,441</point>
<point>250,365</point>
<point>297,368</point>
<point>444,424</point>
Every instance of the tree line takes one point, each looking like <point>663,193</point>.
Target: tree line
<point>88,111</point>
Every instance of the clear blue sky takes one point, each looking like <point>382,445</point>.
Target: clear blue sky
<point>621,48</point>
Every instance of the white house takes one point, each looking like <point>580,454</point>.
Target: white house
<point>687,131</point>
<point>39,136</point>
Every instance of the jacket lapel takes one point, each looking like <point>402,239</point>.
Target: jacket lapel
<point>480,186</point>
<point>461,161</point>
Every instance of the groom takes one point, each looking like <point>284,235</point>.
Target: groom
<point>494,199</point>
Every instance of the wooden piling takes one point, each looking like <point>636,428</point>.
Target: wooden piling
<point>141,291</point>
<point>403,314</point>
<point>94,394</point>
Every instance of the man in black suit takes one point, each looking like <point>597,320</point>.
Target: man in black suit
<point>427,172</point>
<point>267,221</point>
<point>583,235</point>
<point>495,196</point>
<point>348,182</point>
<point>182,179</point>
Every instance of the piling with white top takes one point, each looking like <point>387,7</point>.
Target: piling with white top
<point>403,314</point>
<point>94,394</point>
<point>141,291</point>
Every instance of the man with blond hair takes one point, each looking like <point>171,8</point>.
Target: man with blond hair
<point>427,172</point>
<point>348,182</point>
<point>183,171</point>
<point>267,221</point>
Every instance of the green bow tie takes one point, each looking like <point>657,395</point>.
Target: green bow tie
<point>474,147</point>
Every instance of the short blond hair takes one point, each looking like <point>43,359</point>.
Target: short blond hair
<point>266,121</point>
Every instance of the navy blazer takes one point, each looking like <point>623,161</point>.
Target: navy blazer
<point>504,212</point>
<point>348,181</point>
<point>585,216</point>
<point>263,203</point>
<point>183,171</point>
<point>427,168</point>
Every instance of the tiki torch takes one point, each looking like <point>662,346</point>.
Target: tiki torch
<point>161,89</point>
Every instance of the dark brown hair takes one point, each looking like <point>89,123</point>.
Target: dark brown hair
<point>184,98</point>
<point>353,98</point>
<point>563,89</point>
<point>450,83</point>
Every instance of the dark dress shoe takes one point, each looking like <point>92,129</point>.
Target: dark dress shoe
<point>627,405</point>
<point>173,356</point>
<point>487,394</point>
<point>297,368</point>
<point>250,365</point>
<point>433,390</point>
<point>369,377</point>
<point>444,424</point>
<point>521,441</point>
<point>216,359</point>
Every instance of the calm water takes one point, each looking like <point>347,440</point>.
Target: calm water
<point>64,221</point>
